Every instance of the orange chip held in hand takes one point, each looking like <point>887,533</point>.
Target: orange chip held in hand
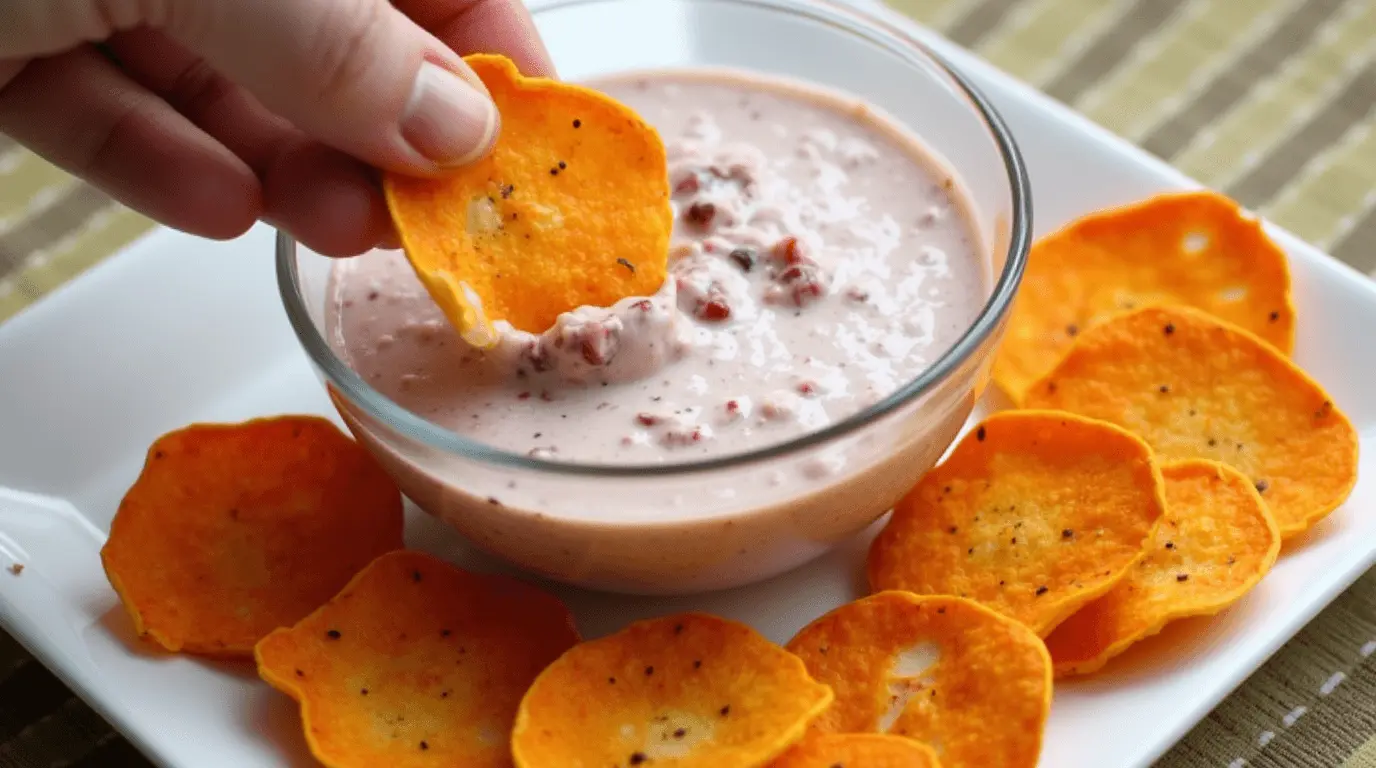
<point>1214,544</point>
<point>1196,249</point>
<point>416,663</point>
<point>945,671</point>
<point>1197,388</point>
<point>1033,514</point>
<point>233,530</point>
<point>689,691</point>
<point>570,208</point>
<point>860,750</point>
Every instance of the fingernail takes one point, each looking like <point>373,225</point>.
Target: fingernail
<point>447,120</point>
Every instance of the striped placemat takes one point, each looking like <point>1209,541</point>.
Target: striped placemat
<point>1270,101</point>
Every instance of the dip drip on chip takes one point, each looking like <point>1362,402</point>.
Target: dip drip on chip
<point>691,691</point>
<point>1214,544</point>
<point>1195,387</point>
<point>859,750</point>
<point>416,663</point>
<point>233,530</point>
<point>973,685</point>
<point>575,189</point>
<point>1033,514</point>
<point>1195,249</point>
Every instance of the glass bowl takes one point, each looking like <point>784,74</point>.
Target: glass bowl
<point>728,521</point>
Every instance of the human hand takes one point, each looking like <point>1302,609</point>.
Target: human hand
<point>210,114</point>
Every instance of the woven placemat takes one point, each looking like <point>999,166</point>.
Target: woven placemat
<point>1270,101</point>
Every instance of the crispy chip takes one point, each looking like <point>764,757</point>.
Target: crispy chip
<point>233,530</point>
<point>857,750</point>
<point>1195,387</point>
<point>416,663</point>
<point>974,685</point>
<point>1194,248</point>
<point>1033,514</point>
<point>1214,544</point>
<point>687,690</point>
<point>571,208</point>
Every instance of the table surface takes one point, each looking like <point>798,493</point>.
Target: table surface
<point>1270,101</point>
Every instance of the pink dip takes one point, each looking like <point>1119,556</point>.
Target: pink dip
<point>821,259</point>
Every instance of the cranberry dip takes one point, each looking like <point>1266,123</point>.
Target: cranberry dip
<point>821,259</point>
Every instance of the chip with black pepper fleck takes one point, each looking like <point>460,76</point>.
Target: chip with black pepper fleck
<point>423,672</point>
<point>233,530</point>
<point>1215,543</point>
<point>1233,398</point>
<point>989,522</point>
<point>941,670</point>
<point>720,694</point>
<point>576,186</point>
<point>1196,249</point>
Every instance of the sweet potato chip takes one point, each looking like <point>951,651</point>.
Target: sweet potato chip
<point>1033,514</point>
<point>416,663</point>
<point>570,208</point>
<point>1195,387</point>
<point>233,530</point>
<point>1214,544</point>
<point>687,690</point>
<point>972,684</point>
<point>1195,248</point>
<point>857,750</point>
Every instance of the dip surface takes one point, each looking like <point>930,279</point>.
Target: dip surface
<point>821,259</point>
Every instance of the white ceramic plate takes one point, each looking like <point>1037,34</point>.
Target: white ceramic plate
<point>179,330</point>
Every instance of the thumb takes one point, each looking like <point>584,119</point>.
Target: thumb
<point>355,74</point>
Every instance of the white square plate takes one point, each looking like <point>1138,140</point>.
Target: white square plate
<point>177,330</point>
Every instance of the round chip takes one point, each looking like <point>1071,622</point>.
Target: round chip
<point>1214,544</point>
<point>416,663</point>
<point>1196,249</point>
<point>570,208</point>
<point>857,750</point>
<point>1033,514</point>
<point>687,690</point>
<point>233,530</point>
<point>1197,388</point>
<point>972,684</point>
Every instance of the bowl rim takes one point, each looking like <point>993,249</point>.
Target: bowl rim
<point>844,18</point>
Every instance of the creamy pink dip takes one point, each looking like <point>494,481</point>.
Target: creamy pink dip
<point>821,259</point>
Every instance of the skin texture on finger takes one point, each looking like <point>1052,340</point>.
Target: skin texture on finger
<point>343,71</point>
<point>87,117</point>
<point>31,28</point>
<point>329,201</point>
<point>485,26</point>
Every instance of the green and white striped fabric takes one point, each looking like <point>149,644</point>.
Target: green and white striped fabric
<point>1270,101</point>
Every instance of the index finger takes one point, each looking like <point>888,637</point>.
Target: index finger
<point>484,26</point>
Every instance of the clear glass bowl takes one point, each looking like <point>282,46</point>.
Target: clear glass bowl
<point>680,528</point>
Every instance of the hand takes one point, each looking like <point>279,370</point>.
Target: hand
<point>210,114</point>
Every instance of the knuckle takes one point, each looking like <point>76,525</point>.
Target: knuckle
<point>197,90</point>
